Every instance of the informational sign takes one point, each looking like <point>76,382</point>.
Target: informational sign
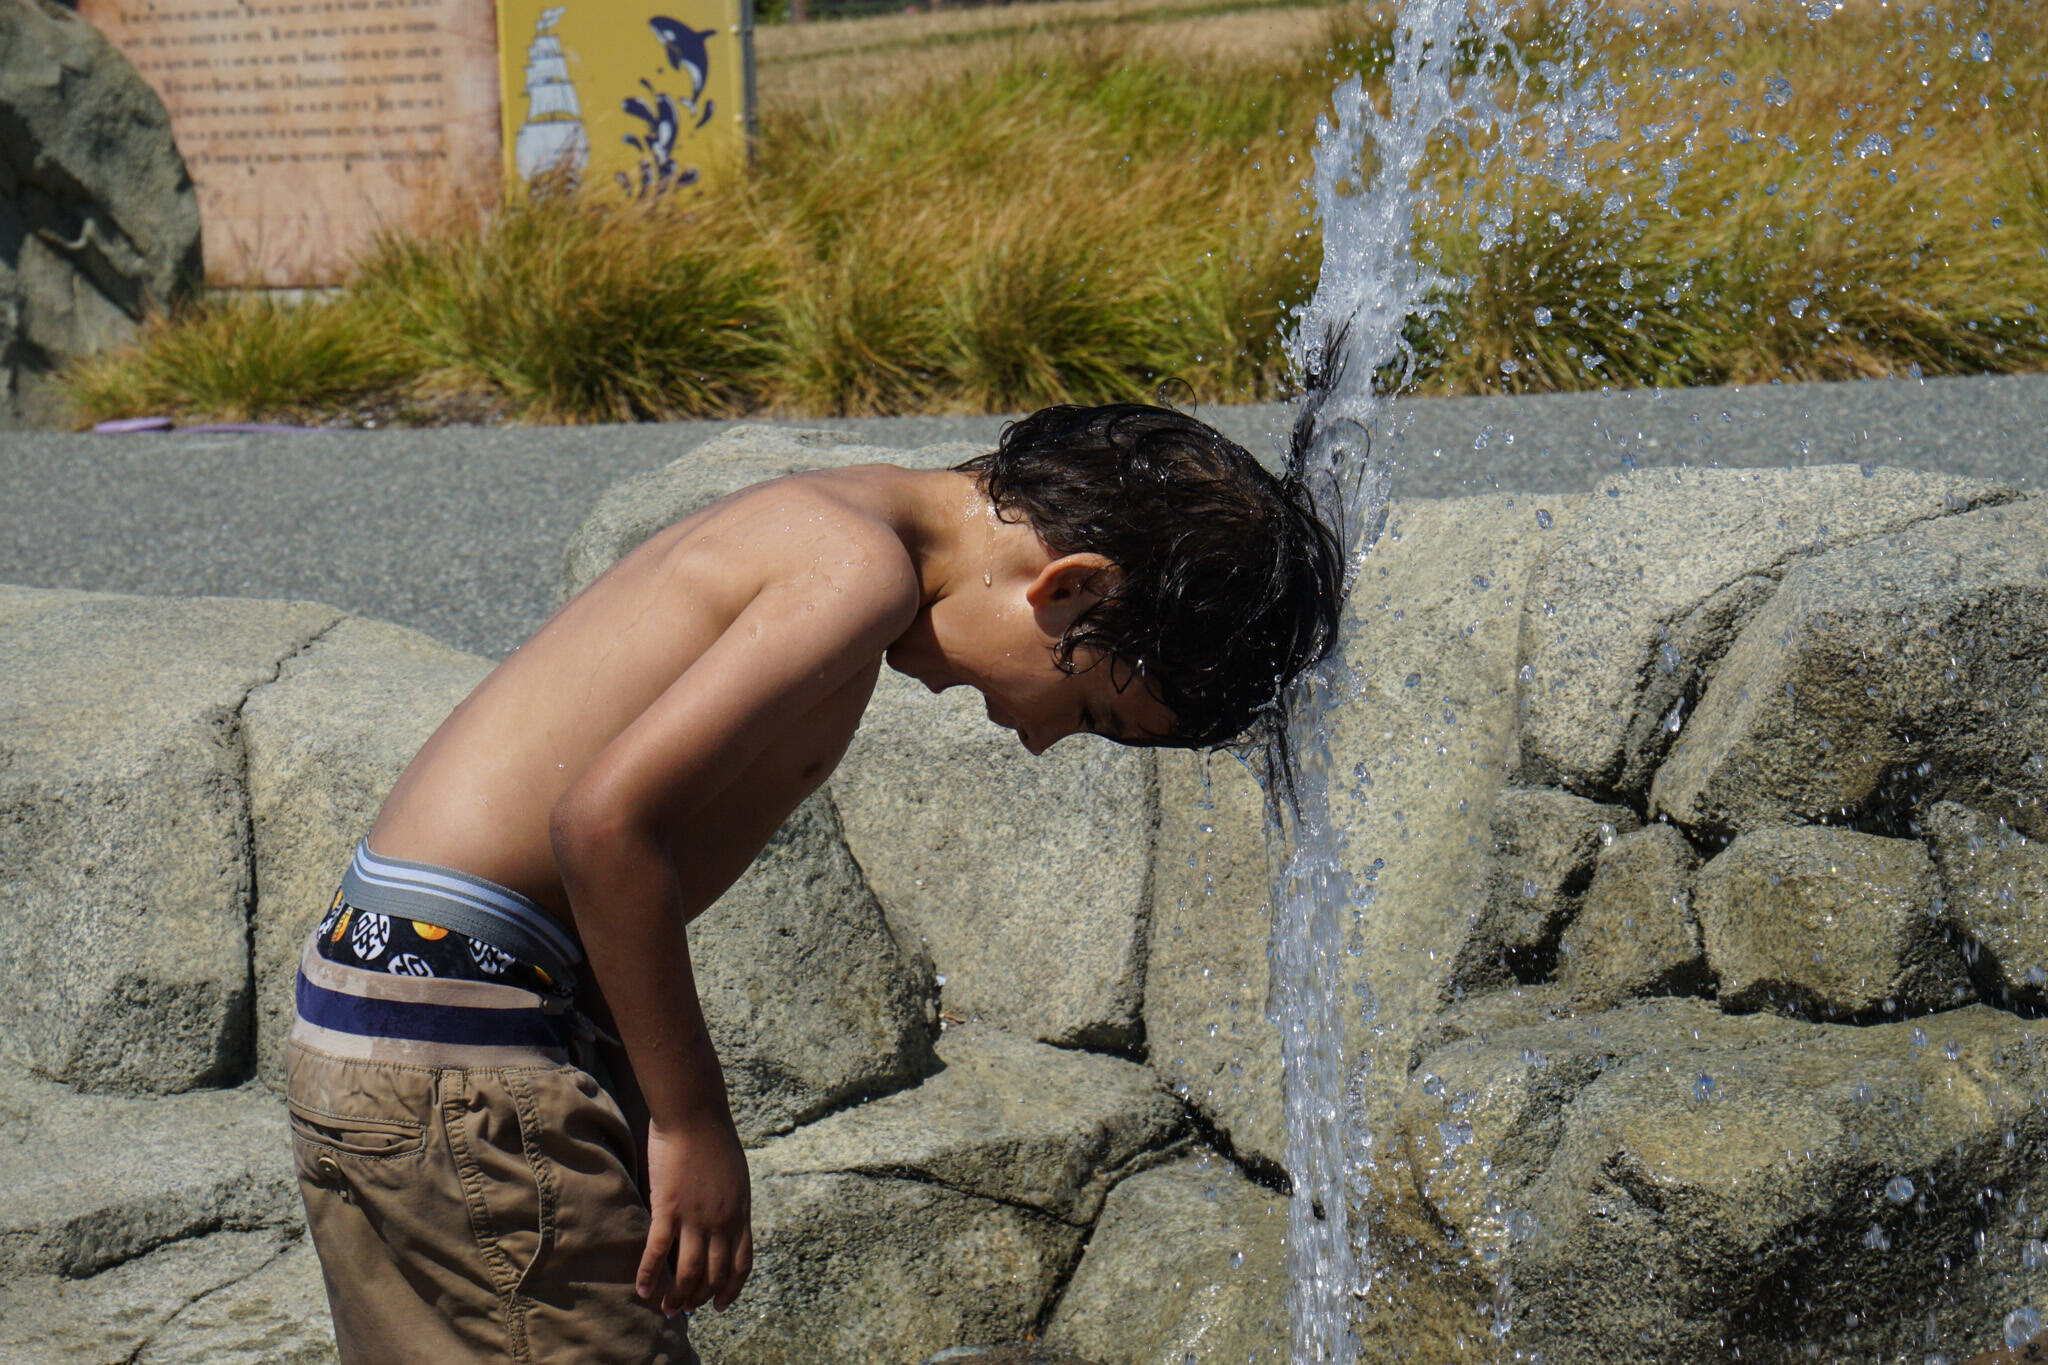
<point>636,97</point>
<point>312,125</point>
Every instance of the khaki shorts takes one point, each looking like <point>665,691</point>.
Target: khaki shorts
<point>468,1203</point>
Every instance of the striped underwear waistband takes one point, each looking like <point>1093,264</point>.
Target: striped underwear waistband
<point>397,1010</point>
<point>481,909</point>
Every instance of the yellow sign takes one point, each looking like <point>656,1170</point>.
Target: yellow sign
<point>645,97</point>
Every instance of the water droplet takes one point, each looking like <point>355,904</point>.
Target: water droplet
<point>1797,307</point>
<point>1544,520</point>
<point>1778,91</point>
<point>1877,144</point>
<point>938,981</point>
<point>2022,1325</point>
<point>1542,316</point>
<point>1628,278</point>
<point>1412,680</point>
<point>1919,1036</point>
<point>1952,1049</point>
<point>1877,1239</point>
<point>1898,1189</point>
<point>1432,1084</point>
<point>1861,1094</point>
<point>1703,1087</point>
<point>1606,834</point>
<point>1522,1225</point>
<point>1510,365</point>
<point>1527,673</point>
<point>1820,10</point>
<point>1980,47</point>
<point>2034,1254</point>
<point>1236,1259</point>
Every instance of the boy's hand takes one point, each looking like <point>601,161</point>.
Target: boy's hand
<point>701,1200</point>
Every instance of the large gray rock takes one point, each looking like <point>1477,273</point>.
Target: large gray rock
<point>99,222</point>
<point>120,1312</point>
<point>1664,1183</point>
<point>274,1316</point>
<point>1023,878</point>
<point>1008,1119</point>
<point>1641,587</point>
<point>633,509</point>
<point>1636,932</point>
<point>1426,747</point>
<point>1207,978</point>
<point>1188,1266</point>
<point>1882,676</point>
<point>859,1268</point>
<point>124,831</point>
<point>1997,898</point>
<point>1544,845</point>
<point>810,1000</point>
<point>1830,923</point>
<point>91,1181</point>
<point>326,741</point>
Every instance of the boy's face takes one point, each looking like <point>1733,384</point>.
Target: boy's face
<point>1044,704</point>
<point>1001,643</point>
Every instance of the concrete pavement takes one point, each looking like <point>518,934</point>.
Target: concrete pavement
<point>459,531</point>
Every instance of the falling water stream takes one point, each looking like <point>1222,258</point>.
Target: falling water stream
<point>1454,75</point>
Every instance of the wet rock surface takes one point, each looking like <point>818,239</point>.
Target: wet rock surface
<point>1829,923</point>
<point>1641,587</point>
<point>1664,1182</point>
<point>1207,982</point>
<point>1188,1262</point>
<point>1996,881</point>
<point>1544,845</point>
<point>99,221</point>
<point>1636,933</point>
<point>1881,676</point>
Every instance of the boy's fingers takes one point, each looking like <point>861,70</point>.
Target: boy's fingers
<point>742,1266</point>
<point>717,1265</point>
<point>687,1291</point>
<point>651,1277</point>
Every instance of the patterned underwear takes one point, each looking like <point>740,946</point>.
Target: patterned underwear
<point>408,919</point>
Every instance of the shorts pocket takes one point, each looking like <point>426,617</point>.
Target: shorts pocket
<point>381,1138</point>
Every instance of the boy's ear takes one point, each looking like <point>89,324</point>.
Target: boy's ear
<point>1066,587</point>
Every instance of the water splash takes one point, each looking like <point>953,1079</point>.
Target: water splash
<point>1454,76</point>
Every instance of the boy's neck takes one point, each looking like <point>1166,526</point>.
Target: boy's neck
<point>958,544</point>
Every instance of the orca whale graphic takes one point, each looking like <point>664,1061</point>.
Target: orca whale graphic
<point>686,50</point>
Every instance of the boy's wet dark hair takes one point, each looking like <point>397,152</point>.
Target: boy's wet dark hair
<point>1229,581</point>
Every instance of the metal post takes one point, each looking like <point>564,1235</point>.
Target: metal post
<point>753,117</point>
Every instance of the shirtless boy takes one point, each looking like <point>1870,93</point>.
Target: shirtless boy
<point>473,1186</point>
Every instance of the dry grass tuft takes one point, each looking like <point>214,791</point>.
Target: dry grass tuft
<point>1081,209</point>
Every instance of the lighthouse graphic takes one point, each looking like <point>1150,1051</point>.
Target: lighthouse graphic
<point>553,137</point>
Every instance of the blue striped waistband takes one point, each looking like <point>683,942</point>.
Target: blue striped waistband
<point>481,909</point>
<point>426,1021</point>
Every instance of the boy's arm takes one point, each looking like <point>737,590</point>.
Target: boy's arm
<point>790,649</point>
